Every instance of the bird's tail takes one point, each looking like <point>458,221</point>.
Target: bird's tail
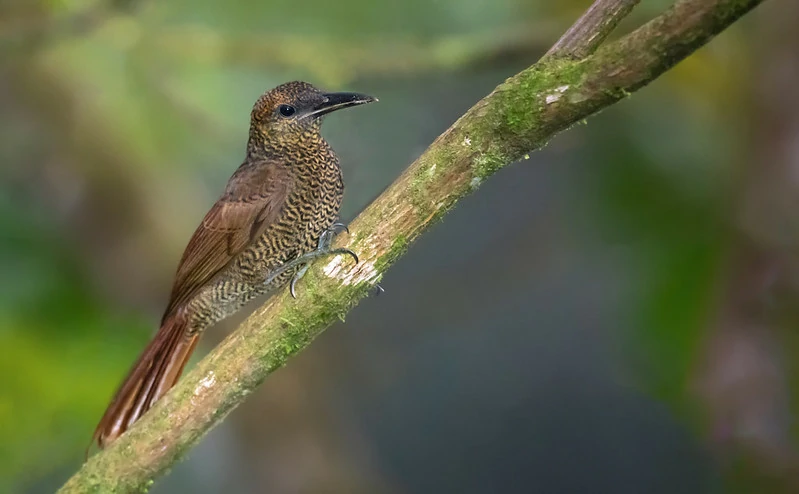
<point>154,373</point>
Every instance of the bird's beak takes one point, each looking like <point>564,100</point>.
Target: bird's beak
<point>337,101</point>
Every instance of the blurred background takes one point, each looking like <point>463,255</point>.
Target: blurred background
<point>615,315</point>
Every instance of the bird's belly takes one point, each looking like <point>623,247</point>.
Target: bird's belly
<point>248,275</point>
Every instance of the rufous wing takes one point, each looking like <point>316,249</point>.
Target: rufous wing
<point>253,200</point>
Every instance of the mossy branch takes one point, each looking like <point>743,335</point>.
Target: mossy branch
<point>519,116</point>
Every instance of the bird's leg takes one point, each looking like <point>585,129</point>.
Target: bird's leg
<point>378,289</point>
<point>324,242</point>
<point>303,261</point>
<point>327,236</point>
<point>322,250</point>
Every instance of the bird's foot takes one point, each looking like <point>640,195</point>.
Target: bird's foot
<point>302,262</point>
<point>323,249</point>
<point>324,242</point>
<point>327,236</point>
<point>305,259</point>
<point>294,279</point>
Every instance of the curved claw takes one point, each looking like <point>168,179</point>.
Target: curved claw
<point>377,290</point>
<point>342,226</point>
<point>347,252</point>
<point>294,279</point>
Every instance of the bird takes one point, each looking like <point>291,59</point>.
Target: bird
<point>278,212</point>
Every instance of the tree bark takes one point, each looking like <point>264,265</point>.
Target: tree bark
<point>519,116</point>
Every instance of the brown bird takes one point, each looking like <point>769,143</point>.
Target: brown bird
<point>277,213</point>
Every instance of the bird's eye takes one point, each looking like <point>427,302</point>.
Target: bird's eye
<point>286,110</point>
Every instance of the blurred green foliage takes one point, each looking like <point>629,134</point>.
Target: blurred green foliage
<point>52,329</point>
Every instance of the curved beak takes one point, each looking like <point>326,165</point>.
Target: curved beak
<point>337,101</point>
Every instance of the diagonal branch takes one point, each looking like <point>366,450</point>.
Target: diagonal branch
<point>591,29</point>
<point>519,116</point>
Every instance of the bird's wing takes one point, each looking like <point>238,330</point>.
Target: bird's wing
<point>252,201</point>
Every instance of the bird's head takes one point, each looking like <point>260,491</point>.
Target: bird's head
<point>293,111</point>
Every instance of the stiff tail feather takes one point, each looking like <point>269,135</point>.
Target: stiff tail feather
<point>155,372</point>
